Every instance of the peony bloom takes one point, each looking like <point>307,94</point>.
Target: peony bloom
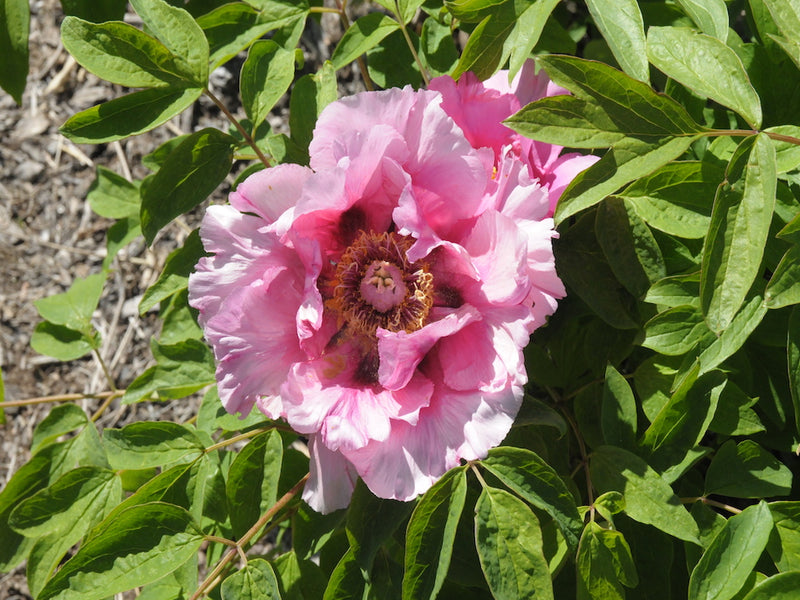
<point>480,107</point>
<point>379,301</point>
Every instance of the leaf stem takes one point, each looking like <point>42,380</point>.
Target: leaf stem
<point>106,403</point>
<point>399,16</point>
<point>106,372</point>
<point>581,448</point>
<point>60,398</point>
<point>778,137</point>
<point>214,577</point>
<point>244,436</point>
<point>475,470</point>
<point>362,66</point>
<point>248,138</point>
<point>710,502</point>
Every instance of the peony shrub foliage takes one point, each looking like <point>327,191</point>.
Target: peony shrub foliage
<point>518,320</point>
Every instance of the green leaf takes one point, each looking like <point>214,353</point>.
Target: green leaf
<point>122,54</point>
<point>362,35</point>
<point>629,246</point>
<point>734,337</point>
<point>728,561</point>
<point>179,32</point>
<point>191,172</point>
<point>527,31</point>
<point>747,470</point>
<point>113,196</point>
<point>266,75</point>
<point>527,475</point>
<point>584,268</point>
<point>346,582</point>
<point>483,53</point>
<point>622,26</point>
<point>310,94</point>
<point>793,360</point>
<point>36,474</point>
<point>618,411</point>
<point>740,223</point>
<point>370,522</point>
<point>683,421</point>
<point>786,15</point>
<point>74,307</point>
<point>711,16</point>
<point>675,331</point>
<point>609,504</point>
<point>734,415</point>
<point>784,545</point>
<point>629,159</point>
<point>438,52</point>
<point>676,199</point>
<point>408,8</point>
<point>174,276</point>
<point>430,536</point>
<point>604,564</point>
<point>119,235</point>
<point>141,545</point>
<point>146,444</point>
<point>509,542</point>
<point>252,482</point>
<point>783,288</point>
<point>15,19</point>
<point>79,495</point>
<point>182,369</point>
<point>648,498</point>
<point>471,11</point>
<point>299,579</point>
<point>567,121</point>
<point>782,586</point>
<point>61,342</point>
<point>256,581</point>
<point>633,106</point>
<point>129,115</point>
<point>61,420</point>
<point>653,379</point>
<point>679,290</point>
<point>706,66</point>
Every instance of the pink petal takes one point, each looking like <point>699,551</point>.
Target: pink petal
<point>271,192</point>
<point>331,481</point>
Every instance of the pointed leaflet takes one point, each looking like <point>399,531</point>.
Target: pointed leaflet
<point>648,498</point>
<point>526,474</point>
<point>509,542</point>
<point>113,196</point>
<point>739,230</point>
<point>734,337</point>
<point>252,481</point>
<point>141,545</point>
<point>604,564</point>
<point>129,115</point>
<point>310,94</point>
<point>256,581</point>
<point>526,33</point>
<point>430,536</point>
<point>683,421</point>
<point>783,288</point>
<point>80,495</point>
<point>675,331</point>
<point>15,16</point>
<point>782,586</point>
<point>728,561</point>
<point>362,35</point>
<point>711,16</point>
<point>629,246</point>
<point>179,32</point>
<point>147,444</point>
<point>677,198</point>
<point>629,159</point>
<point>706,66</point>
<point>784,544</point>
<point>174,276</point>
<point>746,470</point>
<point>266,75</point>
<point>370,522</point>
<point>189,174</point>
<point>622,26</point>
<point>122,54</point>
<point>786,14</point>
<point>793,360</point>
<point>636,109</point>
<point>618,411</point>
<point>74,307</point>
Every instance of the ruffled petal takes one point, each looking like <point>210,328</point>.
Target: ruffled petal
<point>332,478</point>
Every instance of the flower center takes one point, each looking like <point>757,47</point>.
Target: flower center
<point>376,285</point>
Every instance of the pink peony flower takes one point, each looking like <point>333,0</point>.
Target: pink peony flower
<point>379,301</point>
<point>480,107</point>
